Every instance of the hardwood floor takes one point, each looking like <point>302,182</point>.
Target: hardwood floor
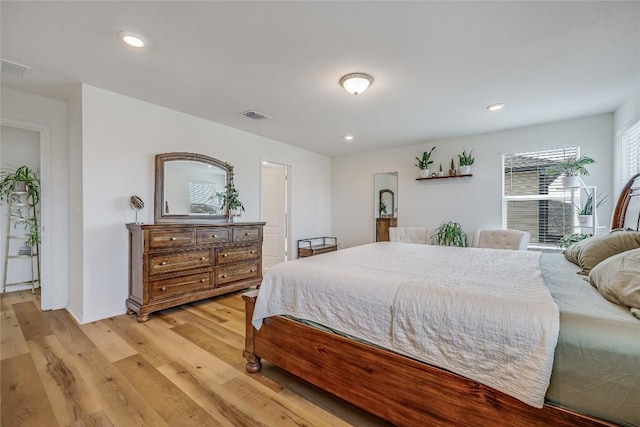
<point>184,367</point>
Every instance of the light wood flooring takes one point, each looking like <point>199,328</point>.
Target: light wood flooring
<point>184,367</point>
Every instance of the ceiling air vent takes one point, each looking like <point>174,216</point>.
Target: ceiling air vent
<point>14,69</point>
<point>254,115</point>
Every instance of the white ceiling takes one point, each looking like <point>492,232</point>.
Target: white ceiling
<point>437,65</point>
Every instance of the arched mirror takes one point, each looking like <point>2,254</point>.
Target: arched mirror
<point>190,188</point>
<point>386,204</point>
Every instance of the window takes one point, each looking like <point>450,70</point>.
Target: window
<point>203,198</point>
<point>534,199</point>
<point>630,153</point>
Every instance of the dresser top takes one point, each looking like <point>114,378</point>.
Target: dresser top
<point>137,225</point>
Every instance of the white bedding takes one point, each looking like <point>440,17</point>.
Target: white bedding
<point>482,313</point>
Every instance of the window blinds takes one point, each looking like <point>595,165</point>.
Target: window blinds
<point>630,153</point>
<point>534,198</point>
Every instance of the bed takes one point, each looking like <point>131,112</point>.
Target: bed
<point>407,391</point>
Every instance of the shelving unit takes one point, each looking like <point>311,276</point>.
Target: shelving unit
<point>590,190</point>
<point>444,177</point>
<point>20,208</point>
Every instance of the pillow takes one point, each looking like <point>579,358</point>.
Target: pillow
<point>589,252</point>
<point>618,279</point>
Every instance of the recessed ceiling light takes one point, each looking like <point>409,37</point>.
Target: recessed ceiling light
<point>349,137</point>
<point>495,107</point>
<point>132,39</point>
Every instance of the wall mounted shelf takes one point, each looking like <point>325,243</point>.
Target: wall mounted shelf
<point>444,177</point>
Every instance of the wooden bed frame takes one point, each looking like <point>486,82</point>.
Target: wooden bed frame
<point>398,389</point>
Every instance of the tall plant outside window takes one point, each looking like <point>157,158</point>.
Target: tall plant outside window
<point>534,199</point>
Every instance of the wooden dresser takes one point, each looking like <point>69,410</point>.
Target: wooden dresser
<point>172,264</point>
<point>382,228</point>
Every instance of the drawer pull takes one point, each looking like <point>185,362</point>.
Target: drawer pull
<point>163,263</point>
<point>224,276</point>
<point>247,234</point>
<point>253,270</point>
<point>225,255</point>
<point>203,280</point>
<point>252,252</point>
<point>214,236</point>
<point>164,288</point>
<point>203,258</point>
<point>174,238</point>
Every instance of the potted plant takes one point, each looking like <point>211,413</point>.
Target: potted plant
<point>573,168</point>
<point>585,212</point>
<point>452,168</point>
<point>569,239</point>
<point>424,162</point>
<point>232,201</point>
<point>450,234</point>
<point>382,208</point>
<point>14,184</point>
<point>465,160</point>
<point>440,172</point>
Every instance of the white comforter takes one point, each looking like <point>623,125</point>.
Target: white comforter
<point>482,313</point>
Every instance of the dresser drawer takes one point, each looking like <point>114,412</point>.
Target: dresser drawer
<point>180,285</point>
<point>243,234</point>
<point>178,261</point>
<point>213,235</point>
<point>236,272</point>
<point>243,253</point>
<point>169,239</point>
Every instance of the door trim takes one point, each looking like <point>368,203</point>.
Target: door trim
<point>288,255</point>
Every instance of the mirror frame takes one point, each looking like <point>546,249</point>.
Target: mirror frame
<point>161,160</point>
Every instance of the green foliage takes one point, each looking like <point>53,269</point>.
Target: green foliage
<point>572,166</point>
<point>8,180</point>
<point>231,198</point>
<point>587,208</point>
<point>382,207</point>
<point>450,234</point>
<point>569,239</point>
<point>466,159</point>
<point>453,165</point>
<point>425,161</point>
<point>440,167</point>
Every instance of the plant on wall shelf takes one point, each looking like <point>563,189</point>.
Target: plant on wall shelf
<point>452,168</point>
<point>466,159</point>
<point>450,234</point>
<point>425,161</point>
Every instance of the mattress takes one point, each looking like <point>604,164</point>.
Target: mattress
<point>596,369</point>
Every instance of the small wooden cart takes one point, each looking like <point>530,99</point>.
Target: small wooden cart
<point>316,245</point>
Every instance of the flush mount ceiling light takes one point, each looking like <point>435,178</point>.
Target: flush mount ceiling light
<point>356,83</point>
<point>349,137</point>
<point>132,39</point>
<point>495,107</point>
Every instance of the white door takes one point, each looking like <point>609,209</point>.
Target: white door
<point>274,213</point>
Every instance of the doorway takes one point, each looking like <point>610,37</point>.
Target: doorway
<point>275,212</point>
<point>23,143</point>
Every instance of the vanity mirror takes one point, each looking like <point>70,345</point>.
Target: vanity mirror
<point>190,188</point>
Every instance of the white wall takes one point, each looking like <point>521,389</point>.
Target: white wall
<point>474,202</point>
<point>121,136</point>
<point>626,115</point>
<point>52,115</point>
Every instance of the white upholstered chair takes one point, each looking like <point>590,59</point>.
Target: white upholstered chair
<point>410,235</point>
<point>501,239</point>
